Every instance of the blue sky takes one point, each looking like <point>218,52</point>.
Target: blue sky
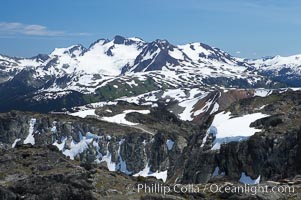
<point>244,28</point>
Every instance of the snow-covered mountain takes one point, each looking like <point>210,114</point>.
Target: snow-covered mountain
<point>279,68</point>
<point>111,69</point>
<point>132,55</point>
<point>278,63</point>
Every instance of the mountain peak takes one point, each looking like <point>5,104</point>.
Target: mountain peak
<point>162,41</point>
<point>127,41</point>
<point>119,39</point>
<point>101,41</point>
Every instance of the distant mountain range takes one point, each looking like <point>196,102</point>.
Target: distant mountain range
<point>111,69</point>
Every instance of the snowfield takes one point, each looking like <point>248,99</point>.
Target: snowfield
<point>226,128</point>
<point>120,118</point>
<point>84,113</point>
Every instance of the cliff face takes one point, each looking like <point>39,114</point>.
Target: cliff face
<point>121,148</point>
<point>272,153</point>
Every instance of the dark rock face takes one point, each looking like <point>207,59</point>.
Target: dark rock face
<point>271,154</point>
<point>272,158</point>
<point>41,57</point>
<point>29,172</point>
<point>54,187</point>
<point>119,39</point>
<point>285,75</point>
<point>6,194</point>
<point>42,173</point>
<point>159,50</point>
<point>124,144</point>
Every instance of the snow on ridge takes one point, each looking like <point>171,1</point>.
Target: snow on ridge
<point>25,62</point>
<point>278,62</point>
<point>193,50</point>
<point>136,39</point>
<point>189,105</point>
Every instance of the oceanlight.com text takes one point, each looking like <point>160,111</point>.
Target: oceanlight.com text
<point>212,188</point>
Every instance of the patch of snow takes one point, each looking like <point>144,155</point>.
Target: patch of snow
<point>216,173</point>
<point>218,141</point>
<point>108,159</point>
<point>189,106</point>
<point>227,129</point>
<point>147,173</point>
<point>248,180</point>
<point>54,129</point>
<point>84,113</point>
<point>154,105</point>
<point>261,107</point>
<point>61,145</point>
<point>122,164</point>
<point>30,138</point>
<point>91,135</point>
<point>169,144</point>
<point>15,142</point>
<point>77,148</point>
<point>262,92</point>
<point>205,138</point>
<point>295,89</point>
<point>120,118</point>
<point>174,93</point>
<point>193,50</point>
<point>177,54</point>
<point>132,83</point>
<point>215,108</point>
